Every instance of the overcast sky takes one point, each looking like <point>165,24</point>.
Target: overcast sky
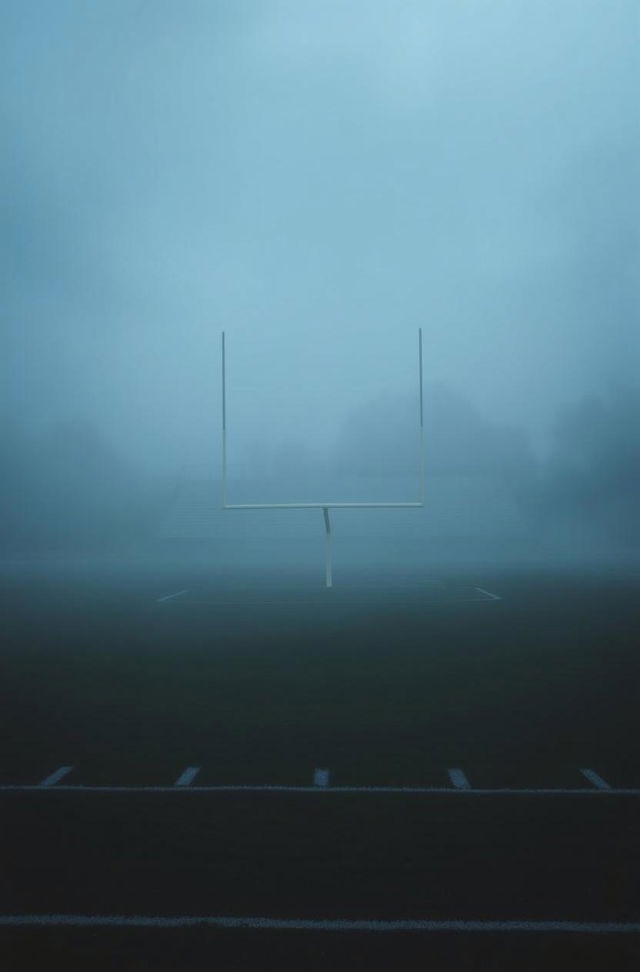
<point>320,178</point>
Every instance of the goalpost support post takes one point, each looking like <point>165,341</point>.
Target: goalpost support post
<point>324,505</point>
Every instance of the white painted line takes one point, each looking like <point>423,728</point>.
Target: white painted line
<point>188,776</point>
<point>343,604</point>
<point>321,777</point>
<point>53,778</point>
<point>492,597</point>
<point>459,779</point>
<point>278,788</point>
<point>326,924</point>
<point>595,779</point>
<point>346,599</point>
<point>169,597</point>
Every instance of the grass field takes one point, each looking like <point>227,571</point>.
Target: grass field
<point>131,673</point>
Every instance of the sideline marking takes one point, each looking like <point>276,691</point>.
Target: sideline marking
<point>595,779</point>
<point>327,924</point>
<point>53,778</point>
<point>492,597</point>
<point>169,597</point>
<point>283,788</point>
<point>459,779</point>
<point>188,776</point>
<point>321,777</point>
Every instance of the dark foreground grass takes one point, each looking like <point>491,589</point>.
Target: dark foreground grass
<point>144,951</point>
<point>260,679</point>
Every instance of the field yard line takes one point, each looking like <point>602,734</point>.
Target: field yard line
<point>459,779</point>
<point>325,924</point>
<point>169,597</point>
<point>595,779</point>
<point>492,597</point>
<point>188,776</point>
<point>53,778</point>
<point>283,788</point>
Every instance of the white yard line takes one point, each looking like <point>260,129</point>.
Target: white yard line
<point>492,597</point>
<point>321,777</point>
<point>278,788</point>
<point>187,776</point>
<point>597,781</point>
<point>326,924</point>
<point>170,597</point>
<point>459,779</point>
<point>53,778</point>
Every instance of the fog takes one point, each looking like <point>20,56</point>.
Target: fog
<point>319,180</point>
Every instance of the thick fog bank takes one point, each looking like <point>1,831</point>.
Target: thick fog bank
<point>68,488</point>
<point>319,179</point>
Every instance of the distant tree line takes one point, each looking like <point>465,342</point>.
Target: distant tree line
<point>66,485</point>
<point>586,489</point>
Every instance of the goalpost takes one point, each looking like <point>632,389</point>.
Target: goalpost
<point>324,505</point>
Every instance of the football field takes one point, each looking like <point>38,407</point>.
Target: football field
<point>408,770</point>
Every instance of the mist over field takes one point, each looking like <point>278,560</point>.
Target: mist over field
<point>319,180</point>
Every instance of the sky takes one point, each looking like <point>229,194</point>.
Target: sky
<point>318,179</point>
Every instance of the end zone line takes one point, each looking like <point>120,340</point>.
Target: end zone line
<point>326,924</point>
<point>169,597</point>
<point>278,788</point>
